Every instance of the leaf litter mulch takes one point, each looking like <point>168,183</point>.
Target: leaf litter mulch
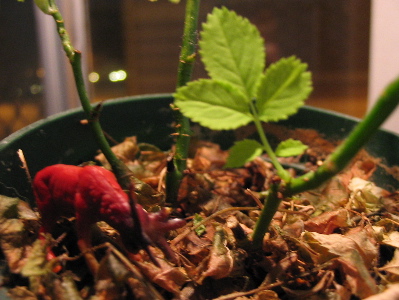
<point>340,241</point>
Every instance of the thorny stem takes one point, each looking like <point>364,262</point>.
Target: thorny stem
<point>124,176</point>
<point>189,42</point>
<point>183,132</point>
<point>66,42</point>
<point>338,160</point>
<point>74,56</point>
<point>360,135</point>
<point>119,168</point>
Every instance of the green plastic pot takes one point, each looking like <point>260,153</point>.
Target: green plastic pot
<point>62,138</point>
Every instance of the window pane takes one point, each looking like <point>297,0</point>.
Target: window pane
<point>136,45</point>
<point>20,74</point>
<point>143,38</point>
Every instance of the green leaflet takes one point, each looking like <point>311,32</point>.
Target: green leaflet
<point>290,147</point>
<point>243,152</point>
<point>283,89</point>
<point>214,104</point>
<point>233,50</point>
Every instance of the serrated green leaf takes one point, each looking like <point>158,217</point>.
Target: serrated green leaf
<point>242,152</point>
<point>214,104</point>
<point>290,147</point>
<point>283,89</point>
<point>233,50</point>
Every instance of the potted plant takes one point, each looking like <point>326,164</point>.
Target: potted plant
<point>325,239</point>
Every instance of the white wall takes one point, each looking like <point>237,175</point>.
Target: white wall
<point>384,52</point>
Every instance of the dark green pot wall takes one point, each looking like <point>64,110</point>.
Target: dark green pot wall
<point>63,139</point>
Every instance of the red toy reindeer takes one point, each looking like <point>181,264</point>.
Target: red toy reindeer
<point>92,194</point>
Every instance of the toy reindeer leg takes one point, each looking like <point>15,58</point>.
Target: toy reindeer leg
<point>84,241</point>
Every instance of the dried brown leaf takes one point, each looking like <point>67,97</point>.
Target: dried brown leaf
<point>70,290</point>
<point>357,275</point>
<point>391,239</point>
<point>348,253</point>
<point>365,195</point>
<point>266,295</point>
<point>166,276</point>
<point>281,267</point>
<point>192,244</point>
<point>14,244</point>
<point>336,245</point>
<point>340,292</point>
<point>392,267</point>
<point>329,196</point>
<point>295,228</point>
<point>209,156</point>
<point>37,264</point>
<point>327,222</point>
<point>328,246</point>
<point>307,254</point>
<point>150,163</point>
<point>221,260</point>
<point>21,293</point>
<point>365,239</point>
<point>8,207</point>
<point>324,282</point>
<point>125,151</point>
<point>392,293</point>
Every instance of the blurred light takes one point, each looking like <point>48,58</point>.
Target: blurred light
<point>40,72</point>
<point>94,77</point>
<point>35,89</point>
<point>119,75</point>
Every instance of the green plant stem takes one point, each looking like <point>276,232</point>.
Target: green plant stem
<point>144,193</point>
<point>360,135</point>
<point>258,124</point>
<point>271,203</point>
<point>189,43</point>
<point>74,56</point>
<point>120,169</point>
<point>183,131</point>
<point>63,34</point>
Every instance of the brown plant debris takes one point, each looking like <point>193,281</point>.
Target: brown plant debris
<point>340,241</point>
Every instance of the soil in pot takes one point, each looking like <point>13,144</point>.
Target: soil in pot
<point>337,241</point>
